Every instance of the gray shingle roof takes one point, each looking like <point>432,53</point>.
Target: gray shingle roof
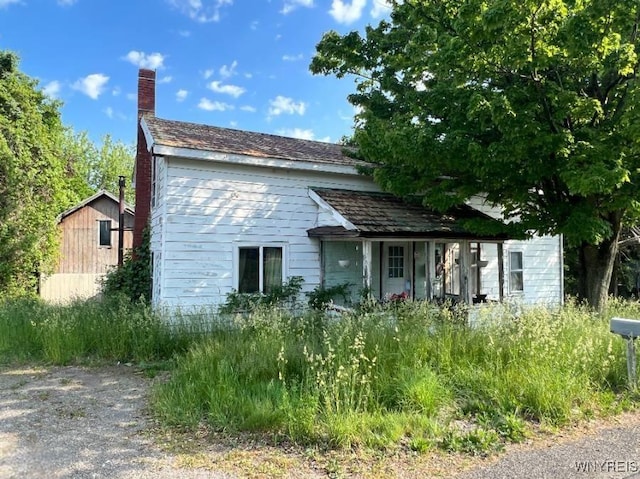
<point>179,134</point>
<point>382,214</point>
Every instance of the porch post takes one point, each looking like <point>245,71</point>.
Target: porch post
<point>465,260</point>
<point>430,266</point>
<point>367,265</point>
<point>427,271</point>
<point>501,272</point>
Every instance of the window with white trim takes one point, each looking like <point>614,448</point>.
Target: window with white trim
<point>516,272</point>
<point>259,268</point>
<point>396,262</point>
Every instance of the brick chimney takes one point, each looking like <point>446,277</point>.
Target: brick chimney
<point>146,106</point>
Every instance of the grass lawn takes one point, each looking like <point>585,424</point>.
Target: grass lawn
<point>409,379</point>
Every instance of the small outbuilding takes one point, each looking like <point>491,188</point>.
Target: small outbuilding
<point>88,248</point>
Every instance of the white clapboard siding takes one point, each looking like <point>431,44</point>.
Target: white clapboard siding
<point>542,263</point>
<point>208,209</point>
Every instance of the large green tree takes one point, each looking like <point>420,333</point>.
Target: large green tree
<point>91,168</point>
<point>533,103</point>
<point>32,178</point>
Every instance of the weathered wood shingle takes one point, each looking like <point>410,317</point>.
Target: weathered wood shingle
<point>179,134</point>
<point>382,214</point>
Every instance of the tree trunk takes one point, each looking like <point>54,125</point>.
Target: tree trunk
<point>596,267</point>
<point>613,286</point>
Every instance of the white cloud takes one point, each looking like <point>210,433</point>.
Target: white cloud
<point>208,105</point>
<point>66,3</point>
<point>233,124</point>
<point>202,11</point>
<point>113,114</point>
<point>292,58</point>
<point>181,95</point>
<point>297,133</point>
<point>92,85</point>
<point>233,90</point>
<point>184,33</point>
<point>347,12</point>
<point>166,79</point>
<point>228,71</point>
<point>282,104</point>
<point>152,61</point>
<point>380,8</point>
<point>207,73</point>
<point>248,108</point>
<point>254,25</point>
<point>6,3</point>
<point>116,91</point>
<point>132,96</point>
<point>52,89</point>
<point>302,134</point>
<point>290,5</point>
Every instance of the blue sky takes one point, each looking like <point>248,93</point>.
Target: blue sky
<point>233,63</point>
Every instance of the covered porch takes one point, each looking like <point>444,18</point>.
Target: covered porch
<point>386,248</point>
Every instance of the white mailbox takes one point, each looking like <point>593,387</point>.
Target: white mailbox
<point>627,328</point>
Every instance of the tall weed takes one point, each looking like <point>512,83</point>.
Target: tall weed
<point>411,372</point>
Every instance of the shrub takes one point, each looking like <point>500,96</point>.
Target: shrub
<point>285,296</point>
<point>320,298</point>
<point>133,279</point>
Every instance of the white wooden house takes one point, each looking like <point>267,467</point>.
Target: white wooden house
<point>234,210</point>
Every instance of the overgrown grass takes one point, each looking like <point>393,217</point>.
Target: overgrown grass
<point>111,330</point>
<point>412,375</point>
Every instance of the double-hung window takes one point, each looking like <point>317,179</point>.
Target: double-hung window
<point>259,268</point>
<point>516,272</point>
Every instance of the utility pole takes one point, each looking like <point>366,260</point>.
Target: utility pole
<point>121,183</point>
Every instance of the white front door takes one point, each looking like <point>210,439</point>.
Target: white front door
<point>395,269</point>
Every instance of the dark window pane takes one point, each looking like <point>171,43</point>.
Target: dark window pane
<point>516,260</point>
<point>105,233</point>
<point>248,270</point>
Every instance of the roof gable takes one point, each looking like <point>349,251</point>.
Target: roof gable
<point>100,194</point>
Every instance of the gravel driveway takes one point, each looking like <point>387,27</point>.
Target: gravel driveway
<point>74,422</point>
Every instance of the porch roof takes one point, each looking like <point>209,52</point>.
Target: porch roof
<point>380,215</point>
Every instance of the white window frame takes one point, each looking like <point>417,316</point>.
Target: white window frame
<point>260,246</point>
<point>512,270</point>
